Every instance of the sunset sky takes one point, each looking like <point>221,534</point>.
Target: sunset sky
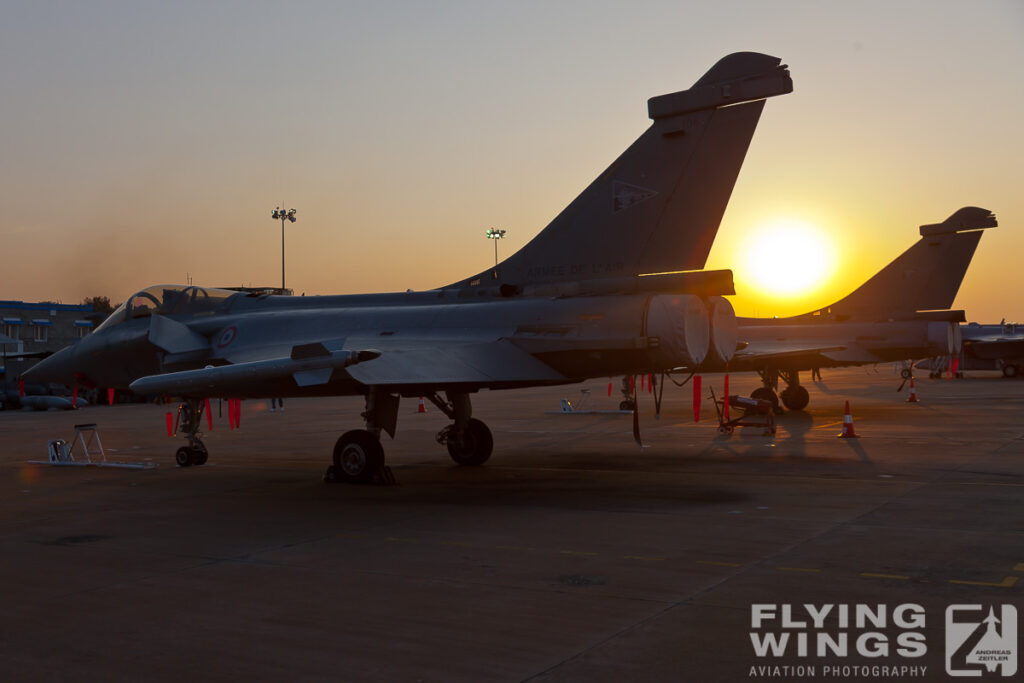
<point>145,142</point>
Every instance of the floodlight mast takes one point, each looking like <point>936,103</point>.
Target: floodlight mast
<point>282,215</point>
<point>494,234</point>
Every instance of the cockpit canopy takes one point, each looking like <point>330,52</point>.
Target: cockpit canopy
<point>169,300</point>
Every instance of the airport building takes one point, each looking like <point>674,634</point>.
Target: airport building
<point>33,330</point>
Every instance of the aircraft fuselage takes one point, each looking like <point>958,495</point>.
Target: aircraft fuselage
<point>572,338</point>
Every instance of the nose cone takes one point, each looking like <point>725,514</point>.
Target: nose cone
<point>60,368</point>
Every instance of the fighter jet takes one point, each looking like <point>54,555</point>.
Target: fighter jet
<point>608,287</point>
<point>986,347</point>
<point>901,313</point>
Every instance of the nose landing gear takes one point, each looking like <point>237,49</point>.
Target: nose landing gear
<point>190,416</point>
<point>471,446</point>
<point>469,441</point>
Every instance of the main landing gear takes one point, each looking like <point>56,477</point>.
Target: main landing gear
<point>469,441</point>
<point>794,396</point>
<point>359,455</point>
<point>190,417</point>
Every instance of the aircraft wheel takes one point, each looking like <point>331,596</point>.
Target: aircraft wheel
<point>765,394</point>
<point>184,457</point>
<point>472,447</point>
<point>626,405</point>
<point>905,373</point>
<point>795,397</point>
<point>1010,370</point>
<point>358,455</point>
<point>199,455</point>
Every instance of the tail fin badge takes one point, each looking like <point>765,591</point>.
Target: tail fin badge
<point>625,195</point>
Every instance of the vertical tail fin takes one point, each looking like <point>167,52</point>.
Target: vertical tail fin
<point>927,276</point>
<point>657,208</point>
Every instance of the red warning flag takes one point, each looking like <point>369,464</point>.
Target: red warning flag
<point>725,403</point>
<point>238,413</point>
<point>609,389</point>
<point>170,424</point>
<point>696,398</point>
<point>110,397</point>
<point>21,387</point>
<point>209,415</point>
<point>650,384</point>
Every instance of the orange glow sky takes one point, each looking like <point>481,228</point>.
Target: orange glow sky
<point>144,142</point>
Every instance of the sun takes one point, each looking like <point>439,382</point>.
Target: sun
<point>789,257</point>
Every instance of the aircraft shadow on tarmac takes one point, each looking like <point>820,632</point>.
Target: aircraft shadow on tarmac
<point>646,490</point>
<point>794,426</point>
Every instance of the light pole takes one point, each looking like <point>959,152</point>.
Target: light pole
<point>493,234</point>
<point>283,215</point>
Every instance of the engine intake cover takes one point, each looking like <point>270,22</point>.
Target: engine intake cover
<point>682,326</point>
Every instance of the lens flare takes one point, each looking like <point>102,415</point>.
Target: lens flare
<point>789,257</point>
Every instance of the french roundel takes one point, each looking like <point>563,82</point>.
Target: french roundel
<point>226,337</point>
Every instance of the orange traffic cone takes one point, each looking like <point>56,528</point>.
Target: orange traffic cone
<point>913,393</point>
<point>422,408</point>
<point>847,432</point>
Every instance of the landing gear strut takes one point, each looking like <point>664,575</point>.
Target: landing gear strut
<point>469,441</point>
<point>767,394</point>
<point>794,396</point>
<point>358,454</point>
<point>627,394</point>
<point>190,417</point>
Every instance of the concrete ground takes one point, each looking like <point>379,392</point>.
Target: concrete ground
<point>573,555</point>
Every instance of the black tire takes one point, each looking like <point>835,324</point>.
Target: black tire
<point>1010,370</point>
<point>795,397</point>
<point>905,373</point>
<point>472,447</point>
<point>184,457</point>
<point>199,455</point>
<point>358,456</point>
<point>766,394</point>
<point>626,405</point>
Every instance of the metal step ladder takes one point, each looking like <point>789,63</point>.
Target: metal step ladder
<point>87,435</point>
